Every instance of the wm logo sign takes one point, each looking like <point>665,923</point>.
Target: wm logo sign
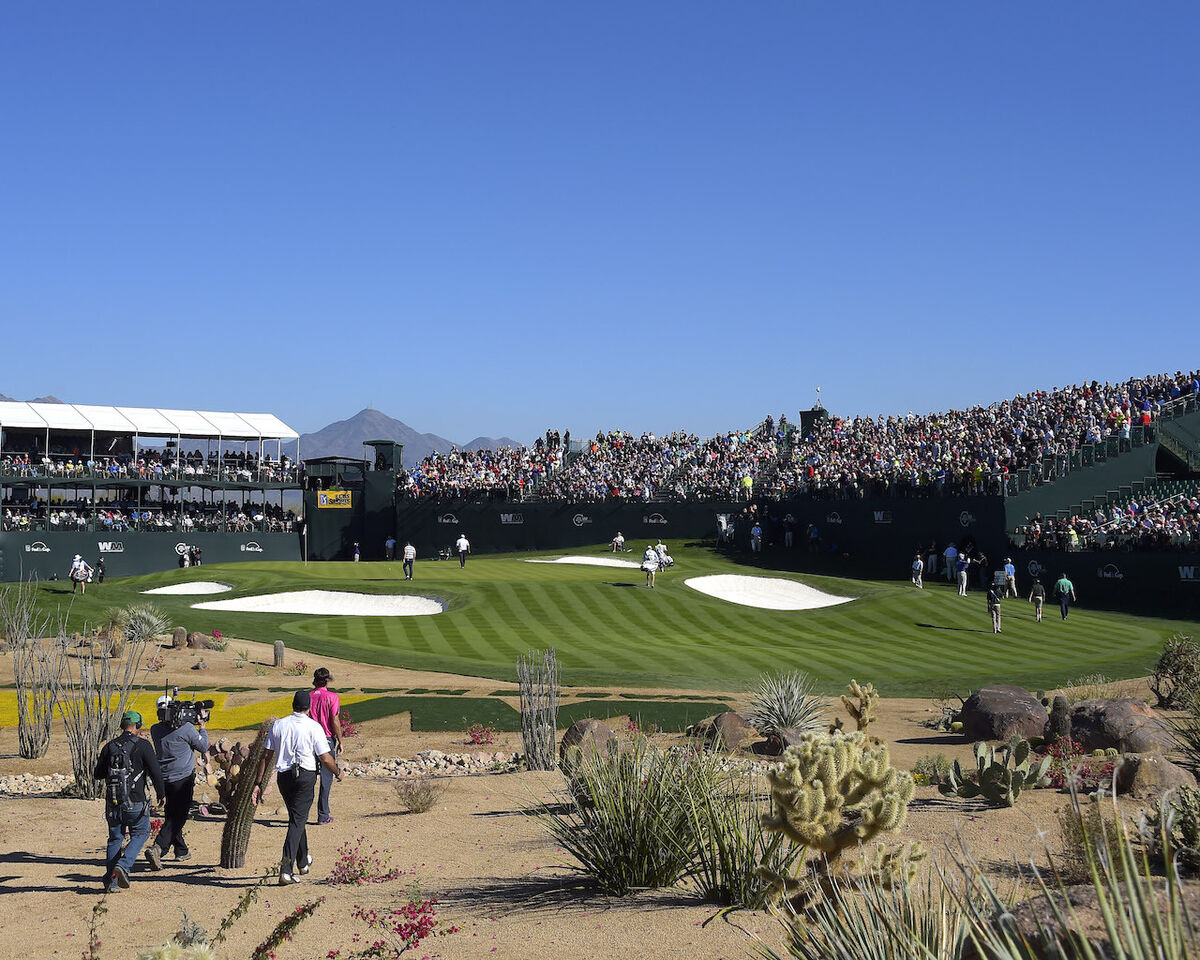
<point>883,516</point>
<point>1189,574</point>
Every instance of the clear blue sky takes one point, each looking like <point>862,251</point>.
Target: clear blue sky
<point>490,217</point>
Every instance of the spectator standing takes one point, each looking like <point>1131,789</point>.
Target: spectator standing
<point>950,555</point>
<point>756,533</point>
<point>100,570</point>
<point>298,744</point>
<point>1066,594</point>
<point>326,709</point>
<point>389,548</point>
<point>1010,578</point>
<point>463,546</point>
<point>410,555</point>
<point>125,764</point>
<point>918,568</point>
<point>356,551</point>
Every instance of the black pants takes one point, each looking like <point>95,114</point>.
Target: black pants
<point>297,787</point>
<point>462,558</point>
<point>175,814</point>
<point>408,569</point>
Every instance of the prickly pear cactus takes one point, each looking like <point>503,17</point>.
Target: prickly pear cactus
<point>226,763</point>
<point>834,793</point>
<point>1001,774</point>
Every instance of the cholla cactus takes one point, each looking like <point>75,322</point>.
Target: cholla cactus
<point>860,702</point>
<point>833,793</point>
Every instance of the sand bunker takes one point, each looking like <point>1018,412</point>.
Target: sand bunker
<point>591,561</point>
<point>330,602</point>
<point>767,593</point>
<point>195,588</point>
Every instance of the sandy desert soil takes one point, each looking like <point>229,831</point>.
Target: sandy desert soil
<point>495,873</point>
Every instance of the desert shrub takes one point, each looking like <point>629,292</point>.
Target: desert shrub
<point>1072,767</point>
<point>1079,822</point>
<point>786,701</point>
<point>732,846</point>
<point>931,769</point>
<point>1186,729</point>
<point>1094,685</point>
<point>1143,918</point>
<point>218,642</point>
<point>629,818</point>
<point>1176,676</point>
<point>1172,829</point>
<point>359,863</point>
<point>420,794</point>
<point>478,734</point>
<point>297,669</point>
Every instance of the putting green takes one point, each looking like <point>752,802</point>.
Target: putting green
<point>610,630</point>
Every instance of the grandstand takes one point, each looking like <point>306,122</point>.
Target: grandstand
<point>106,481</point>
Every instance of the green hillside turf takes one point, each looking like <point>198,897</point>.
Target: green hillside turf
<point>609,629</point>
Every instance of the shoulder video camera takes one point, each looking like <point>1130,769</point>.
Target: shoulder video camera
<point>180,712</point>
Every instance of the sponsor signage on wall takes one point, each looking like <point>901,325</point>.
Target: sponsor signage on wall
<point>110,546</point>
<point>38,546</point>
<point>252,547</point>
<point>580,519</point>
<point>834,518</point>
<point>1189,574</point>
<point>512,518</point>
<point>333,499</point>
<point>966,518</point>
<point>883,516</point>
<point>654,518</point>
<point>1110,571</point>
<point>447,518</point>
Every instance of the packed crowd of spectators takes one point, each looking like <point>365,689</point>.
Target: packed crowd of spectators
<point>1142,524</point>
<point>152,465</point>
<point>974,450</point>
<point>112,517</point>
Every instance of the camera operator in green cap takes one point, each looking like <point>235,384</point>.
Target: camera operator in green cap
<point>124,765</point>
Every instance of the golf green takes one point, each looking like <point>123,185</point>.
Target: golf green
<point>609,629</point>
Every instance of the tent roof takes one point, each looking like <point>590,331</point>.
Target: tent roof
<point>144,421</point>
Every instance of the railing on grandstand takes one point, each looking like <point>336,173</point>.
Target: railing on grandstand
<point>1063,464</point>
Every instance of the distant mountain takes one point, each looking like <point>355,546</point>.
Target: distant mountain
<point>46,399</point>
<point>345,438</point>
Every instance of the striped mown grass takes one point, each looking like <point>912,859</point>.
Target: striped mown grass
<point>610,630</point>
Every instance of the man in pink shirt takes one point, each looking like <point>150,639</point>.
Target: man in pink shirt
<point>326,705</point>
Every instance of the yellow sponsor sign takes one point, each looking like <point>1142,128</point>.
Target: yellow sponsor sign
<point>338,499</point>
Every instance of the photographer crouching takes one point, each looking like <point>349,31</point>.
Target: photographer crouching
<point>179,733</point>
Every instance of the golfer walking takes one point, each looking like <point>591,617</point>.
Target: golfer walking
<point>463,546</point>
<point>298,744</point>
<point>1066,594</point>
<point>410,554</point>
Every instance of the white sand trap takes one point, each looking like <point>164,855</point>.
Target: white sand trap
<point>195,588</point>
<point>331,603</point>
<point>767,593</point>
<point>592,561</point>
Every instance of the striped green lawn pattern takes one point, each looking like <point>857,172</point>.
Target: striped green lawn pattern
<point>610,630</point>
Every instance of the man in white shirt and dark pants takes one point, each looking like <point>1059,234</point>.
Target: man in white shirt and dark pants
<point>463,546</point>
<point>299,744</point>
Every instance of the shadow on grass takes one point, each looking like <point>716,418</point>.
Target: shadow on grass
<point>934,626</point>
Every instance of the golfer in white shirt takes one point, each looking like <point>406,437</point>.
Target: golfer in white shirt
<point>463,546</point>
<point>299,744</point>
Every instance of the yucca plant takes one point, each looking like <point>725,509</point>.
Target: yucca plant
<point>871,918</point>
<point>786,701</point>
<point>732,845</point>
<point>628,822</point>
<point>1144,916</point>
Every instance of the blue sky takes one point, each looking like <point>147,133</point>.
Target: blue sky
<point>490,217</point>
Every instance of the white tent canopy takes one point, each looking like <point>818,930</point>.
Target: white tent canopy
<point>144,421</point>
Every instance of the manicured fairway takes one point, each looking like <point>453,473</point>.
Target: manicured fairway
<point>609,629</point>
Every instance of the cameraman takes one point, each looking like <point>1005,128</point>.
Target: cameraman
<point>176,739</point>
